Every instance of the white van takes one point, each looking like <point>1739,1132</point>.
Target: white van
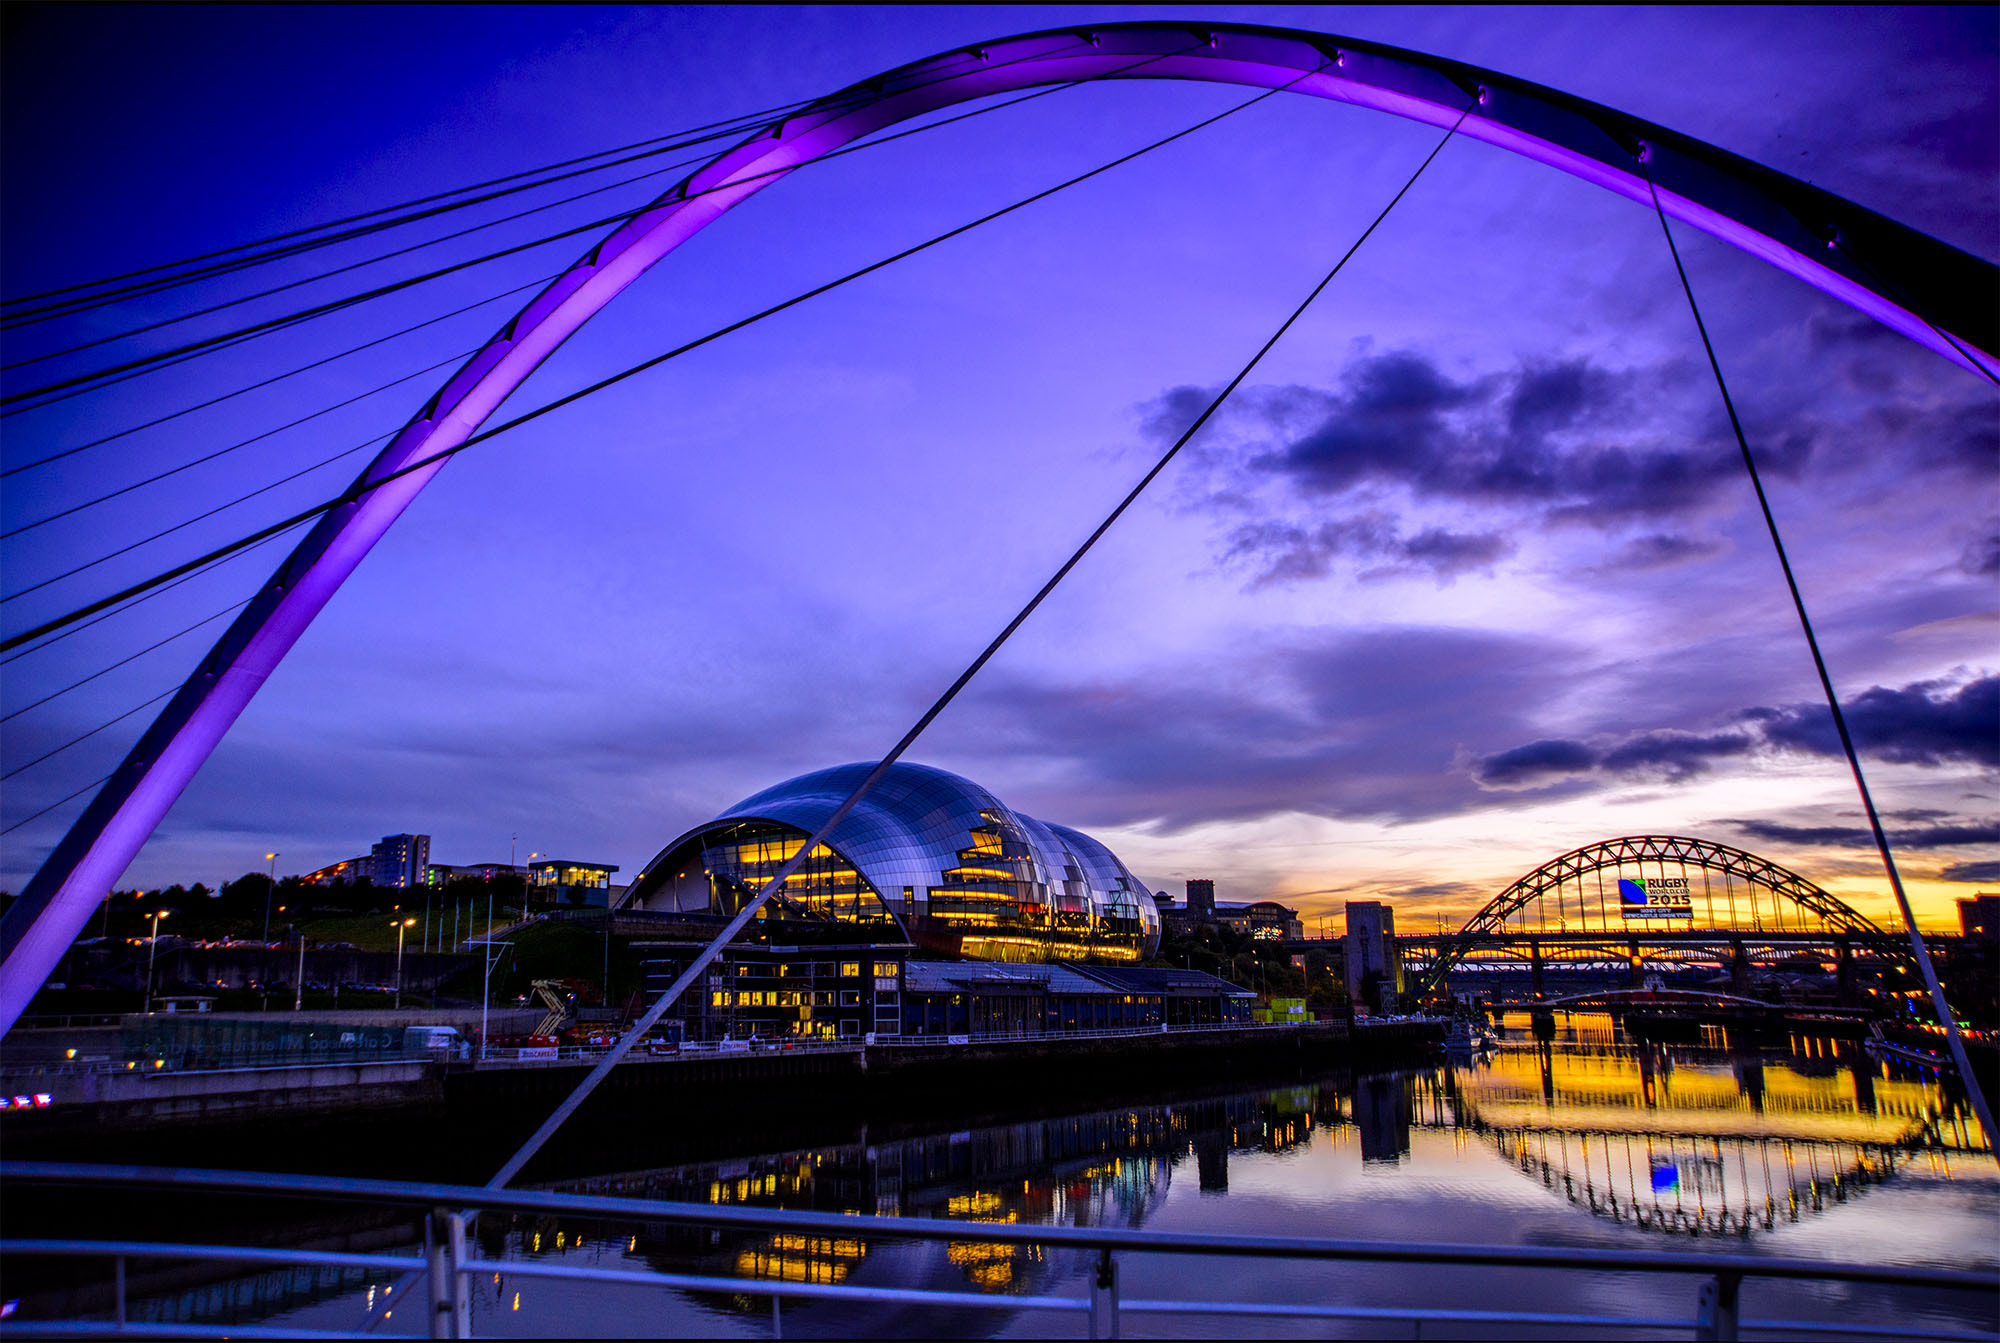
<point>434,1042</point>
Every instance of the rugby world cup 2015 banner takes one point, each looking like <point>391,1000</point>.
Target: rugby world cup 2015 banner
<point>1655,898</point>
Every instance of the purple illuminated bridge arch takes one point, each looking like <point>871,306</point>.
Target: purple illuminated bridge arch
<point>1932,293</point>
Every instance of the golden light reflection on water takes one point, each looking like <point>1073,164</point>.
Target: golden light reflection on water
<point>1640,1140</point>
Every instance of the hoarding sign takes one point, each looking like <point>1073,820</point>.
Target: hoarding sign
<point>1655,898</point>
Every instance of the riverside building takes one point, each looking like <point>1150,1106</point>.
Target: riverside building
<point>928,860</point>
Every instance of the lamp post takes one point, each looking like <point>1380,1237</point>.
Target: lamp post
<point>272,859</point>
<point>400,926</point>
<point>152,954</point>
<point>299,980</point>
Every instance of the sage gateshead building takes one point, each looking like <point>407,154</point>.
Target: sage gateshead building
<point>927,858</point>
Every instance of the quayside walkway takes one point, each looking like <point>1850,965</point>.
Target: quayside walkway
<point>1721,1289</point>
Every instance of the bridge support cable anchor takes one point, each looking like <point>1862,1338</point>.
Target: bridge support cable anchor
<point>1974,1091</point>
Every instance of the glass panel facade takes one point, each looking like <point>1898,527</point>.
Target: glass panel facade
<point>969,874</point>
<point>739,859</point>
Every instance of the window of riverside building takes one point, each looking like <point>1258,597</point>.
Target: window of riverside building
<point>886,968</point>
<point>850,969</point>
<point>850,998</point>
<point>718,1000</point>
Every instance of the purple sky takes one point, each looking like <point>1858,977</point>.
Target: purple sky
<point>1467,576</point>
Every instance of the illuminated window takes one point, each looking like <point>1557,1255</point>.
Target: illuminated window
<point>850,969</point>
<point>886,969</point>
<point>718,1000</point>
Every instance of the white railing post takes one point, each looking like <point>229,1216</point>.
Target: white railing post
<point>460,1279</point>
<point>444,1251</point>
<point>1104,1298</point>
<point>1717,1313</point>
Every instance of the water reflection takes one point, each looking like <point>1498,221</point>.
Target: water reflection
<point>1585,1139</point>
<point>1703,1141</point>
<point>1105,1169</point>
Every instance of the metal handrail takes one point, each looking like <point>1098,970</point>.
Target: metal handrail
<point>449,1266</point>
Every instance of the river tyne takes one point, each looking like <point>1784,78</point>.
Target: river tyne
<point>1810,1150</point>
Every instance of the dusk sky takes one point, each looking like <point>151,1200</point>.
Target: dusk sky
<point>1468,575</point>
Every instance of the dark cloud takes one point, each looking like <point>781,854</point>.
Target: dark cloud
<point>1371,723</point>
<point>1924,723</point>
<point>1981,557</point>
<point>1987,870</point>
<point>1283,552</point>
<point>1661,550</point>
<point>1855,836</point>
<point>1678,755</point>
<point>1579,441</point>
<point>1434,890</point>
<point>1537,763</point>
<point>1556,443</point>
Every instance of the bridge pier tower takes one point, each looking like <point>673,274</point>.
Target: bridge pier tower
<point>1535,968</point>
<point>1636,977</point>
<point>1843,950</point>
<point>1739,968</point>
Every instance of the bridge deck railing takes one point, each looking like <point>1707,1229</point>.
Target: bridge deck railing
<point>449,1263</point>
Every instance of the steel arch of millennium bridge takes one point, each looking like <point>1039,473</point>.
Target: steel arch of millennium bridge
<point>1836,920</point>
<point>1925,289</point>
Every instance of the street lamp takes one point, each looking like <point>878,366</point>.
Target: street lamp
<point>299,979</point>
<point>152,954</point>
<point>271,858</point>
<point>400,925</point>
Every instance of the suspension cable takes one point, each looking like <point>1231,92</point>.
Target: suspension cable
<point>226,339</point>
<point>738,124</point>
<point>185,523</point>
<point>233,447</point>
<point>109,722</point>
<point>278,323</point>
<point>738,127</point>
<point>363,488</point>
<point>251,387</point>
<point>36,816</point>
<point>405,250</point>
<point>687,977</point>
<point>140,600</point>
<point>383,387</point>
<point>103,671</point>
<point>1973,1086</point>
<point>149,289</point>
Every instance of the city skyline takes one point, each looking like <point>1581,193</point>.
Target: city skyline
<point>1467,576</point>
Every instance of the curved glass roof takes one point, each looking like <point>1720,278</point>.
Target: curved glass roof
<point>932,831</point>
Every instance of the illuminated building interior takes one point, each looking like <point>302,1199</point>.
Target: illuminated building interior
<point>846,990</point>
<point>927,857</point>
